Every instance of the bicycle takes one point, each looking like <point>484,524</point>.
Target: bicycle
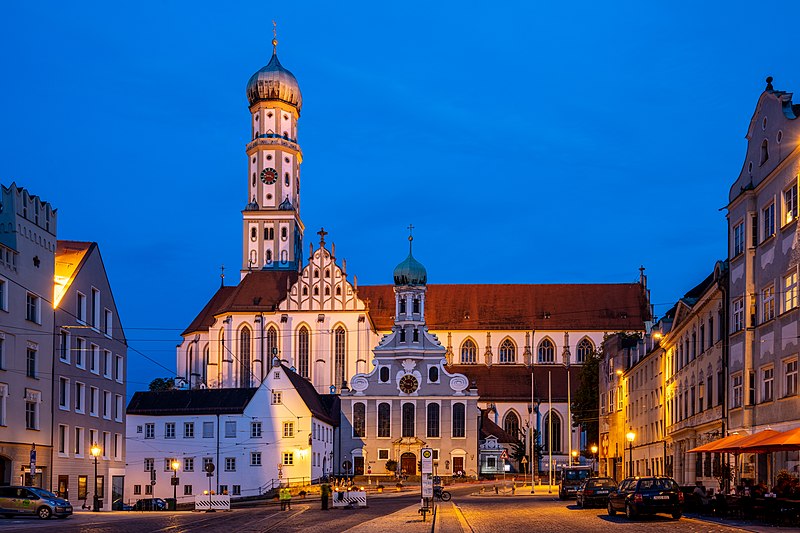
<point>440,493</point>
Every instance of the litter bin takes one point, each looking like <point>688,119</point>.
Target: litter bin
<point>172,504</point>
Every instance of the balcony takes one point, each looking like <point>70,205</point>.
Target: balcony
<point>273,139</point>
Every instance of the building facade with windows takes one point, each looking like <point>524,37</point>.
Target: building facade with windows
<point>256,438</point>
<point>89,379</point>
<point>696,378</point>
<point>409,400</point>
<point>763,255</point>
<point>27,251</point>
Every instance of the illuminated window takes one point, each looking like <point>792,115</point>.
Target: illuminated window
<point>790,204</point>
<point>508,352</point>
<point>583,350</point>
<point>547,352</point>
<point>469,352</point>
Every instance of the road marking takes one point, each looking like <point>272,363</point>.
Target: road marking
<point>462,520</point>
<point>274,525</point>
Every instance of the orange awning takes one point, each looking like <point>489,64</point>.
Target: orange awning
<point>751,443</point>
<point>779,441</point>
<point>719,443</point>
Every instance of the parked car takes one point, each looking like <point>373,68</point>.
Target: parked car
<point>33,501</point>
<point>646,495</point>
<point>571,479</point>
<point>595,491</point>
<point>150,504</point>
<point>120,505</point>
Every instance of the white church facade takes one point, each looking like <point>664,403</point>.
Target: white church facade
<point>312,315</point>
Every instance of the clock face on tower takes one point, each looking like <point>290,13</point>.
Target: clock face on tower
<point>269,176</point>
<point>408,384</point>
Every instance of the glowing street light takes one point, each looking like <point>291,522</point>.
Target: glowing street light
<point>574,456</point>
<point>175,466</point>
<point>630,436</point>
<point>95,451</point>
<point>594,457</point>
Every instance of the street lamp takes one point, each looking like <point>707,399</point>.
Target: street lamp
<point>594,457</point>
<point>175,465</point>
<point>574,457</point>
<point>95,450</point>
<point>630,436</point>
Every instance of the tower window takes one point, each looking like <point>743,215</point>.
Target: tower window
<point>403,335</point>
<point>252,234</point>
<point>384,374</point>
<point>316,273</point>
<point>327,291</point>
<point>316,291</point>
<point>269,115</point>
<point>416,335</point>
<point>284,233</point>
<point>402,306</point>
<point>254,179</point>
<point>269,234</point>
<point>285,117</point>
<point>269,157</point>
<point>433,374</point>
<point>416,306</point>
<point>269,256</point>
<point>256,118</point>
<point>254,160</point>
<point>305,291</point>
<point>256,135</point>
<point>338,291</point>
<point>286,159</point>
<point>286,179</point>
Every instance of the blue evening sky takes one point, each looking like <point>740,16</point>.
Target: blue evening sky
<point>531,142</point>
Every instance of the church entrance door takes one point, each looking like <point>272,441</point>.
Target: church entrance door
<point>408,464</point>
<point>358,466</point>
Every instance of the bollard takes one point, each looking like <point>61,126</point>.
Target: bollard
<point>325,492</point>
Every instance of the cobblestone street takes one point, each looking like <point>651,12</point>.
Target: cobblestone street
<point>469,512</point>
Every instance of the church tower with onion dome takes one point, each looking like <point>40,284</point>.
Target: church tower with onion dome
<point>271,225</point>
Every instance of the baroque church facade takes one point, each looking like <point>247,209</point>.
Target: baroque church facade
<point>521,345</point>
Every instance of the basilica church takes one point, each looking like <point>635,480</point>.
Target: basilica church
<point>507,353</point>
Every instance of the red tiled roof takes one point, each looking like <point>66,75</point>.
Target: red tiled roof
<point>513,382</point>
<point>259,291</point>
<point>205,318</point>
<point>603,307</point>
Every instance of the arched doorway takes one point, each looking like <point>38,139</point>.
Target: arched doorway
<point>408,464</point>
<point>5,470</point>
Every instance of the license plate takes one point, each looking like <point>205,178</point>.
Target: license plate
<point>602,492</point>
<point>661,497</point>
<point>69,509</point>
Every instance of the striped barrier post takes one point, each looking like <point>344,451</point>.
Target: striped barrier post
<point>215,502</point>
<point>356,498</point>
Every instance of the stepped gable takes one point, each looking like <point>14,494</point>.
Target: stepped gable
<point>604,307</point>
<point>195,402</point>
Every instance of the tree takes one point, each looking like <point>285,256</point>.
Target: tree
<point>520,450</point>
<point>162,384</point>
<point>586,401</point>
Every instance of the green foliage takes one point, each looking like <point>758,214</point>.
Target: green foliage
<point>585,402</point>
<point>391,465</point>
<point>519,450</point>
<point>162,384</point>
<point>723,473</point>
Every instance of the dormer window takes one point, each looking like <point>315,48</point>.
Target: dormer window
<point>384,374</point>
<point>764,151</point>
<point>416,306</point>
<point>433,374</point>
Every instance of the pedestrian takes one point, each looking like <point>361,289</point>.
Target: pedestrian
<point>283,495</point>
<point>288,499</point>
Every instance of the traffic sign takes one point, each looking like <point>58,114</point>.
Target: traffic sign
<point>504,455</point>
<point>524,459</point>
<point>427,486</point>
<point>427,460</point>
<point>176,481</point>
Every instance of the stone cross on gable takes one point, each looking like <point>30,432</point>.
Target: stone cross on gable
<point>322,234</point>
<point>222,275</point>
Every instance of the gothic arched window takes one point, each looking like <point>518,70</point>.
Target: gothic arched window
<point>433,420</point>
<point>511,424</point>
<point>552,426</point>
<point>547,352</point>
<point>302,351</point>
<point>584,349</point>
<point>409,419</point>
<point>339,356</point>
<point>359,420</point>
<point>384,420</point>
<point>204,369</point>
<point>508,352</point>
<point>469,352</point>
<point>272,343</point>
<point>244,357</point>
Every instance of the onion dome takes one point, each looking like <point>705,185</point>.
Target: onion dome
<point>274,82</point>
<point>410,271</point>
<point>252,206</point>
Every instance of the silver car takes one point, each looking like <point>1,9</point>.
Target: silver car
<point>16,501</point>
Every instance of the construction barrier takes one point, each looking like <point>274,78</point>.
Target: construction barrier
<point>216,502</point>
<point>355,498</point>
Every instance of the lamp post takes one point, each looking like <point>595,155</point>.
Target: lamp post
<point>95,450</point>
<point>175,465</point>
<point>594,457</point>
<point>630,436</point>
<point>574,457</point>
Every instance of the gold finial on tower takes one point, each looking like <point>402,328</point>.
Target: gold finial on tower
<point>274,37</point>
<point>410,236</point>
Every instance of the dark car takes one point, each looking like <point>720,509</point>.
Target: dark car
<point>33,501</point>
<point>646,495</point>
<point>571,479</point>
<point>120,505</point>
<point>150,504</point>
<point>595,491</point>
